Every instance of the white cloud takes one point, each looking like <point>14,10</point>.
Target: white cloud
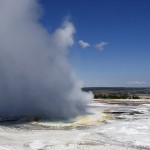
<point>138,83</point>
<point>83,44</point>
<point>100,46</point>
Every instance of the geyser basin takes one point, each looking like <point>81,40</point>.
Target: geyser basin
<point>130,132</point>
<point>94,116</point>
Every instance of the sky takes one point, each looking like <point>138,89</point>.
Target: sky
<point>112,40</point>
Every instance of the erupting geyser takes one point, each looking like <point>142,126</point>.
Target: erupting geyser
<point>35,77</point>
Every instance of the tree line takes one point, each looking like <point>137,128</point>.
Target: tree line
<point>115,96</point>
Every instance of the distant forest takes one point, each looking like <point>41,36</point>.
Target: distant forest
<point>116,92</point>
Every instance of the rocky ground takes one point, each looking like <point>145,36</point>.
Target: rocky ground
<point>109,125</point>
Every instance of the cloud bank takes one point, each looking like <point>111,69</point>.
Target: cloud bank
<point>35,77</point>
<point>139,83</point>
<point>83,44</point>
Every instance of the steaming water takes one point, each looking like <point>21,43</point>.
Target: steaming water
<point>35,77</point>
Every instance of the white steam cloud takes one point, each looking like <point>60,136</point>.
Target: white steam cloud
<point>35,77</point>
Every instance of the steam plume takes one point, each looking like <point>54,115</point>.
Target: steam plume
<point>35,77</point>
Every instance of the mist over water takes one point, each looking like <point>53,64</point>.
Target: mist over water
<point>35,77</point>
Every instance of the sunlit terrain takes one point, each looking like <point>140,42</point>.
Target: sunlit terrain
<point>106,126</point>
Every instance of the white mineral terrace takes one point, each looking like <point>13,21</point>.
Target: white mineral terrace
<point>106,127</point>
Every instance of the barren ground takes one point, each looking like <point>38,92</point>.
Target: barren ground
<point>109,125</point>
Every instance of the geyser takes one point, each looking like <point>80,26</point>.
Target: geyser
<point>35,77</point>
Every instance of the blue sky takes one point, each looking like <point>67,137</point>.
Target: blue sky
<point>124,25</point>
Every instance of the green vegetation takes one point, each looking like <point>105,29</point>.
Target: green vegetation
<point>115,96</point>
<point>135,97</point>
<point>117,92</point>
